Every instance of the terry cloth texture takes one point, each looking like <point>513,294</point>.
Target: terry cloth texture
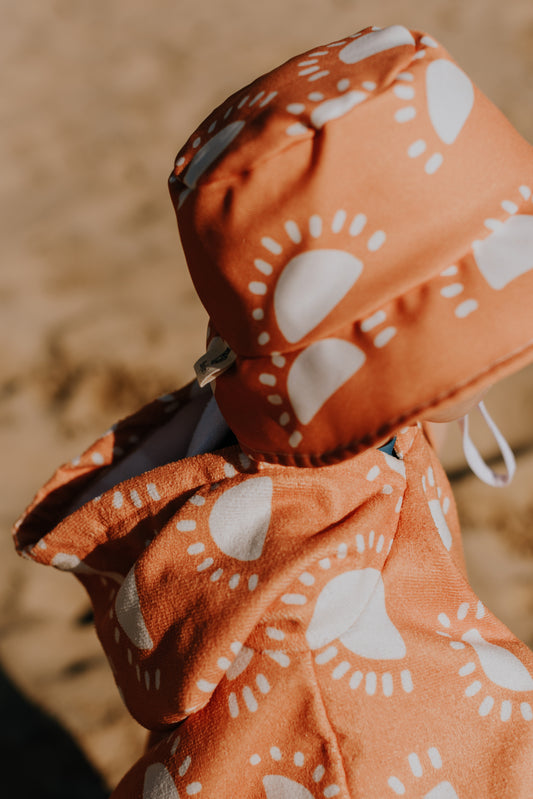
<point>290,633</point>
<point>359,226</point>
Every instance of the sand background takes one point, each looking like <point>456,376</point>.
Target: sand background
<point>98,315</point>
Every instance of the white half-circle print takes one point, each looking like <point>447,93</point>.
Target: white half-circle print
<point>335,108</point>
<point>507,253</point>
<point>129,614</point>
<point>318,372</point>
<point>158,783</point>
<point>450,96</point>
<point>278,787</point>
<point>211,150</point>
<point>351,607</point>
<point>375,42</point>
<point>444,790</point>
<point>240,518</point>
<point>70,562</point>
<point>373,635</point>
<point>310,286</point>
<point>440,522</point>
<point>499,664</point>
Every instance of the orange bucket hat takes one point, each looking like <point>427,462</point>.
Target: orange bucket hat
<point>358,224</point>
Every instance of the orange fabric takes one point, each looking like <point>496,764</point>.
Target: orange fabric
<point>359,225</point>
<point>290,632</point>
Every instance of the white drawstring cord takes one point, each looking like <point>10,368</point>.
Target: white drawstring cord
<point>474,458</point>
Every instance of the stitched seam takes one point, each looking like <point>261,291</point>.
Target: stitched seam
<point>368,439</point>
<point>212,180</point>
<point>320,699</point>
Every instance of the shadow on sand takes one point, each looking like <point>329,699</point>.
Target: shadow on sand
<point>38,758</point>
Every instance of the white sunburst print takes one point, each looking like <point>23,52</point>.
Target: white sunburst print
<point>159,782</point>
<point>302,298</point>
<point>454,291</point>
<point>226,127</point>
<point>350,618</point>
<point>448,92</point>
<point>507,252</point>
<point>124,619</point>
<point>494,676</point>
<point>352,50</point>
<point>377,320</point>
<point>220,134</point>
<point>130,621</point>
<point>323,109</point>
<point>449,97</point>
<point>280,786</point>
<point>238,524</point>
<point>119,499</point>
<point>320,107</point>
<point>66,561</point>
<point>247,696</point>
<point>504,255</point>
<point>438,506</point>
<point>422,770</point>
